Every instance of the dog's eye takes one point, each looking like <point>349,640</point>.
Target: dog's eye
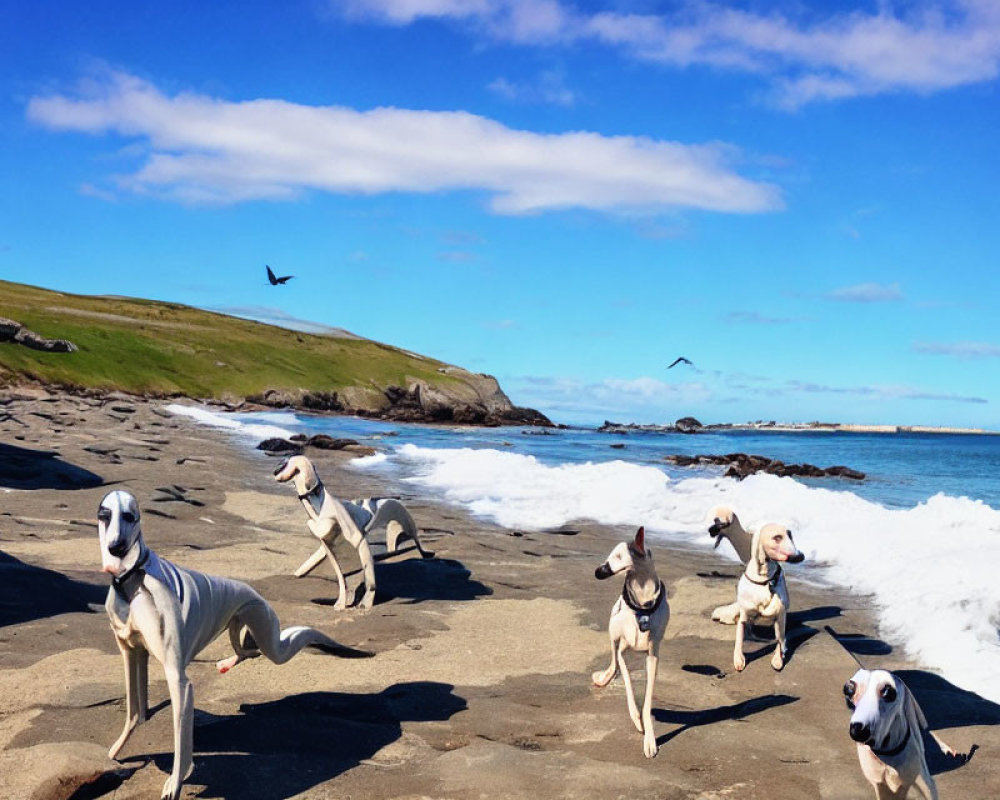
<point>104,515</point>
<point>850,688</point>
<point>888,693</point>
<point>128,517</point>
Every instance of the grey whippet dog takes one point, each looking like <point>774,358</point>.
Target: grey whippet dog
<point>724,524</point>
<point>887,724</point>
<point>761,592</point>
<point>329,517</point>
<point>158,608</point>
<point>638,621</point>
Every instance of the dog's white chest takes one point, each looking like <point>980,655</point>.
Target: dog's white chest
<point>877,772</point>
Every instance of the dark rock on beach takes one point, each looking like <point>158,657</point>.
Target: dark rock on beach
<point>278,445</point>
<point>740,465</point>
<point>323,442</point>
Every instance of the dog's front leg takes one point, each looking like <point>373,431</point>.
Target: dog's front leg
<point>740,660</point>
<point>357,541</point>
<point>182,703</point>
<point>648,739</point>
<point>135,695</point>
<point>633,710</point>
<point>341,603</point>
<point>312,562</point>
<point>781,646</point>
<point>925,783</point>
<point>604,678</point>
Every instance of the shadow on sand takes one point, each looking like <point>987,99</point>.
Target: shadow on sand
<point>283,748</point>
<point>415,580</point>
<point>28,592</point>
<point>22,468</point>
<point>694,719</point>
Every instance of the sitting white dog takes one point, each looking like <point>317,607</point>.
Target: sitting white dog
<point>761,592</point>
<point>328,517</point>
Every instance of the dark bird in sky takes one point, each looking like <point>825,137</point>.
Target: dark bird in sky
<point>680,360</point>
<point>274,279</point>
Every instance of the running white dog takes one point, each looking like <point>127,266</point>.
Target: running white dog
<point>761,592</point>
<point>886,723</point>
<point>157,607</point>
<point>638,621</point>
<point>724,524</point>
<point>329,517</point>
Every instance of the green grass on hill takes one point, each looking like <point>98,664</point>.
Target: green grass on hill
<point>145,346</point>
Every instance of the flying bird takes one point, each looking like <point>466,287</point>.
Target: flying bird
<point>274,279</point>
<point>680,360</point>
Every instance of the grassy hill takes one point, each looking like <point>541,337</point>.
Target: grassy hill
<point>142,346</point>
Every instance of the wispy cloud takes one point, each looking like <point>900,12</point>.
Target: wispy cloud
<point>500,324</point>
<point>457,256</point>
<point>917,47</point>
<point>755,318</point>
<point>208,150</point>
<point>275,316</point>
<point>548,88</point>
<point>883,392</point>
<point>959,349</point>
<point>867,293</point>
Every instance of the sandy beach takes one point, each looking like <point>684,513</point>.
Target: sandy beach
<point>480,683</point>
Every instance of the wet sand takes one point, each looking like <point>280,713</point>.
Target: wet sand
<point>480,683</point>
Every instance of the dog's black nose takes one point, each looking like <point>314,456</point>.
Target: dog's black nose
<point>797,558</point>
<point>860,732</point>
<point>281,466</point>
<point>118,549</point>
<point>602,572</point>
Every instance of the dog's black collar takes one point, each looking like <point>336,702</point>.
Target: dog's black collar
<point>895,751</point>
<point>127,585</point>
<point>770,582</point>
<point>650,607</point>
<point>315,490</point>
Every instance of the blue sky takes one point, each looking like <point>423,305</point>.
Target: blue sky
<point>800,198</point>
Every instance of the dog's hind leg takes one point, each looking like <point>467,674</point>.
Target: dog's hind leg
<point>401,524</point>
<point>357,540</point>
<point>278,645</point>
<point>648,740</point>
<point>136,694</point>
<point>633,709</point>
<point>244,646</point>
<point>605,677</point>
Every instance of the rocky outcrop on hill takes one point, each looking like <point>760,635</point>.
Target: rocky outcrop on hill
<point>13,331</point>
<point>463,397</point>
<point>740,465</point>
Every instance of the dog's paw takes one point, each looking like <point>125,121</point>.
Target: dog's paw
<point>171,789</point>
<point>649,747</point>
<point>600,679</point>
<point>227,664</point>
<point>340,605</point>
<point>739,662</point>
<point>637,721</point>
<point>778,660</point>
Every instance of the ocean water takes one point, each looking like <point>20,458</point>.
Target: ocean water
<point>920,536</point>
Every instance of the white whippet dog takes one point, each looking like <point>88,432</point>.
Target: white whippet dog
<point>638,621</point>
<point>328,517</point>
<point>157,607</point>
<point>886,723</point>
<point>761,592</point>
<point>724,524</point>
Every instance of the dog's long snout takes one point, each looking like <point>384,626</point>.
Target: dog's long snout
<point>796,557</point>
<point>860,732</point>
<point>603,571</point>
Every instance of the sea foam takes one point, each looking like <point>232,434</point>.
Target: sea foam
<point>930,569</point>
<point>240,424</point>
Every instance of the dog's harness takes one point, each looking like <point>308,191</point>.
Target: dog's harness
<point>895,751</point>
<point>771,582</point>
<point>127,584</point>
<point>643,612</point>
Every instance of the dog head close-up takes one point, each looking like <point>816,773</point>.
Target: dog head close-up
<point>624,556</point>
<point>775,542</point>
<point>878,701</point>
<point>119,531</point>
<point>300,471</point>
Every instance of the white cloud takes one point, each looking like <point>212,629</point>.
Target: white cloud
<point>867,293</point>
<point>755,318</point>
<point>204,149</point>
<point>920,47</point>
<point>549,87</point>
<point>959,349</point>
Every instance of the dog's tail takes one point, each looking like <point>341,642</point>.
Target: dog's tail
<point>279,645</point>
